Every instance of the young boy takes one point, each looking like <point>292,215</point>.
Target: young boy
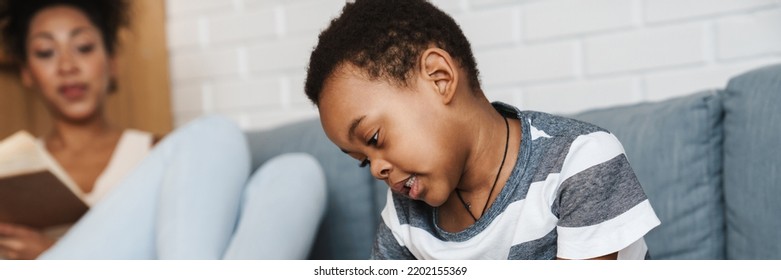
<point>397,89</point>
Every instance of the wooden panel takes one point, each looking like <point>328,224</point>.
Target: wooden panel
<point>13,103</point>
<point>143,97</point>
<point>144,88</point>
<point>4,60</point>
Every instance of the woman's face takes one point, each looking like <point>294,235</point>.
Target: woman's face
<point>68,63</point>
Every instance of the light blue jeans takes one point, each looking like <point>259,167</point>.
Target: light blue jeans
<point>191,199</point>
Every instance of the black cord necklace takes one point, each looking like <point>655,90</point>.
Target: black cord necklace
<point>467,205</point>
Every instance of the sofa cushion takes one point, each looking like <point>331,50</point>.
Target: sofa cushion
<point>752,164</point>
<point>675,148</point>
<point>352,216</point>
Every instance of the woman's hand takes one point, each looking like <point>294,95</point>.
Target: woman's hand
<point>22,243</point>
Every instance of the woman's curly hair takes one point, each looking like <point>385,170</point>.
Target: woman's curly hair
<point>15,16</point>
<point>384,38</point>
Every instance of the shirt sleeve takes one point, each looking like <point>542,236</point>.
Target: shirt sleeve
<point>387,248</point>
<point>601,205</point>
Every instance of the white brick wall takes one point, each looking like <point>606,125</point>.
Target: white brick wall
<point>649,48</point>
<point>231,29</point>
<point>545,19</point>
<point>665,10</point>
<point>247,58</point>
<point>573,96</point>
<point>199,65</point>
<point>490,27</point>
<point>733,40</point>
<point>517,65</point>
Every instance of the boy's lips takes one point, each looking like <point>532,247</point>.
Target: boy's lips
<point>407,187</point>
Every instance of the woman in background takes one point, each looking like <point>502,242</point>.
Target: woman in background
<point>66,53</point>
<point>191,197</point>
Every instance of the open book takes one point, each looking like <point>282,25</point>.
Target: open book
<point>34,190</point>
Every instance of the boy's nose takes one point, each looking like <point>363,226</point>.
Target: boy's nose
<point>381,169</point>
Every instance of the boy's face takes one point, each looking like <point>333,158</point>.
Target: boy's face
<point>403,131</point>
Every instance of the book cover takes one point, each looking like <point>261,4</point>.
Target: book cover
<point>34,190</point>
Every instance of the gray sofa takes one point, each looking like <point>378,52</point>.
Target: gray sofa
<point>710,163</point>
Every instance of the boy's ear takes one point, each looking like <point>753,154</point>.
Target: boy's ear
<point>438,70</point>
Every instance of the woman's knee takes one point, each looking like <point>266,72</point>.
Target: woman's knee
<point>295,172</point>
<point>215,128</point>
<point>211,133</point>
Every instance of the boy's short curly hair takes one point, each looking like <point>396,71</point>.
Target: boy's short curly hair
<point>15,17</point>
<point>384,38</point>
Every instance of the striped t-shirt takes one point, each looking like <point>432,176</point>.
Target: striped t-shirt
<point>571,194</point>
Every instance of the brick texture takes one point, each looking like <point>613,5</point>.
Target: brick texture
<point>247,59</point>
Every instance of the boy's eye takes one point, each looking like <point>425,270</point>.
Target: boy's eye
<point>373,140</point>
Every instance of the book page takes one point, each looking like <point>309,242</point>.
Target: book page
<point>19,155</point>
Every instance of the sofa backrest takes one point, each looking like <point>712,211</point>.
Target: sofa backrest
<point>752,164</point>
<point>674,147</point>
<point>711,166</point>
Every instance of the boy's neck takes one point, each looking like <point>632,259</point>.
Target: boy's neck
<point>487,147</point>
<point>487,150</point>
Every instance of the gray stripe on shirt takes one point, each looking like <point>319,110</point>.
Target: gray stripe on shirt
<point>597,194</point>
